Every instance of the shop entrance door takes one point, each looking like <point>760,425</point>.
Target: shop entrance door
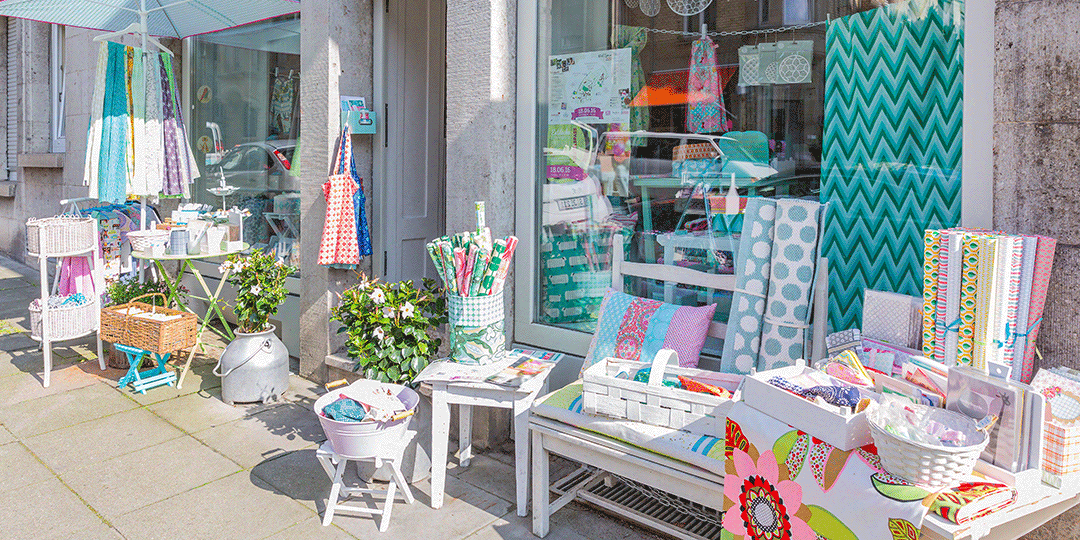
<point>414,135</point>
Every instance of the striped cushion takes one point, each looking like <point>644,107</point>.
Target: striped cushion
<point>636,328</point>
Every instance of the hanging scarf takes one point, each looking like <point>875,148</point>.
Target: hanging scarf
<point>94,130</point>
<point>635,38</point>
<point>705,103</point>
<point>112,165</point>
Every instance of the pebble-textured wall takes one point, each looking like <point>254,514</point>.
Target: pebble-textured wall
<point>1037,165</point>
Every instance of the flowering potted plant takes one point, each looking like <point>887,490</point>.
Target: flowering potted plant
<point>256,356</point>
<point>391,327</point>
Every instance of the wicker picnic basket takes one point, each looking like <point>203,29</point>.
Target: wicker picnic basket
<point>119,325</point>
<point>606,393</point>
<point>927,464</point>
<point>60,235</point>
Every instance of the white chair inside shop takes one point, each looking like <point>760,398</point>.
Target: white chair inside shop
<point>335,465</point>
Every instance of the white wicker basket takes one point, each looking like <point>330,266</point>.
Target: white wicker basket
<point>653,403</point>
<point>925,464</point>
<point>142,240</point>
<point>66,322</point>
<point>60,235</point>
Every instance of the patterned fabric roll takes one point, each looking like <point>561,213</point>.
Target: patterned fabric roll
<point>1044,261</point>
<point>984,300</point>
<point>1027,277</point>
<point>1010,326</point>
<point>931,248</point>
<point>968,289</point>
<point>952,296</point>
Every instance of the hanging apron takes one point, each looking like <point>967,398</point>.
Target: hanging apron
<point>340,245</point>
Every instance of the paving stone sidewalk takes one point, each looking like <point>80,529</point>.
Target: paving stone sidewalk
<point>85,460</point>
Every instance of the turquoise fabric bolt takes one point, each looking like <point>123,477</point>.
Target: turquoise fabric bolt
<point>657,332</point>
<point>112,167</point>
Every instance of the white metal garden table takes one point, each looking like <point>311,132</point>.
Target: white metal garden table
<point>467,394</point>
<point>212,299</point>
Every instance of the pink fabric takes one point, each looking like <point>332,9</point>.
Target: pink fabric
<point>687,332</point>
<point>75,277</point>
<point>1044,261</point>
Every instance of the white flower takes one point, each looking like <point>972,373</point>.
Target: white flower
<point>224,267</point>
<point>377,296</point>
<point>388,312</point>
<point>407,310</point>
<point>378,334</point>
<point>255,289</point>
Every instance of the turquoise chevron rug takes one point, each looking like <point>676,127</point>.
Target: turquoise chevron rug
<point>891,147</point>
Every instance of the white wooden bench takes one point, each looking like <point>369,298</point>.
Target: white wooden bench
<point>667,474</point>
<point>1033,508</point>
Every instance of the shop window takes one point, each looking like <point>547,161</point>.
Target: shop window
<point>244,95</point>
<point>632,103</point>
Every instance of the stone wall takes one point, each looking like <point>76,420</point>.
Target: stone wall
<point>1037,164</point>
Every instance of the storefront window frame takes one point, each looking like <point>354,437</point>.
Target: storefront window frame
<point>977,165</point>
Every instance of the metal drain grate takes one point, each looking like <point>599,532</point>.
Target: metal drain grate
<point>643,504</point>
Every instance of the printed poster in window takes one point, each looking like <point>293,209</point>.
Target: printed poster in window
<point>590,87</point>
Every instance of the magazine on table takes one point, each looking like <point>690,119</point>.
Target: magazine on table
<point>446,371</point>
<point>523,366</point>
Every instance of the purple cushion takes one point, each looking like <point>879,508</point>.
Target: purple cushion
<point>636,328</point>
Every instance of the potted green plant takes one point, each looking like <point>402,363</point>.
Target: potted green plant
<point>391,327</point>
<point>393,333</point>
<point>255,364</point>
<point>124,290</point>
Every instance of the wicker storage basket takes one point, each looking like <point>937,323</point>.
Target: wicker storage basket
<point>605,394</point>
<point>925,464</point>
<point>65,322</point>
<point>60,235</point>
<point>142,240</point>
<point>156,336</point>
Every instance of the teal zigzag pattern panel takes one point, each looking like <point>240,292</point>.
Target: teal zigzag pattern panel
<point>891,148</point>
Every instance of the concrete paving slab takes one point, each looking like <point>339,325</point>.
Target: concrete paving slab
<point>466,509</point>
<point>90,443</point>
<point>22,466</point>
<point>302,391</point>
<point>299,475</point>
<point>5,436</point>
<point>49,510</point>
<point>572,522</point>
<point>312,528</point>
<point>129,482</point>
<point>236,507</point>
<point>36,416</point>
<point>15,282</point>
<point>18,388</point>
<point>197,411</point>
<point>20,355</point>
<point>266,435</point>
<point>200,378</point>
<point>490,475</point>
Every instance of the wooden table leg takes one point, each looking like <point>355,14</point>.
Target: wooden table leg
<point>440,436</point>
<point>540,493</point>
<point>464,434</point>
<point>521,454</point>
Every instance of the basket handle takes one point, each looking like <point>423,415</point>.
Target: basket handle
<point>153,307</point>
<point>660,363</point>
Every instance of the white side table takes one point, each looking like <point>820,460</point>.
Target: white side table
<point>466,394</point>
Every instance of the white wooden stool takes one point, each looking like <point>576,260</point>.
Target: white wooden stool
<point>334,465</point>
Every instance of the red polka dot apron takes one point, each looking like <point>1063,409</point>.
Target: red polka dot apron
<point>339,244</point>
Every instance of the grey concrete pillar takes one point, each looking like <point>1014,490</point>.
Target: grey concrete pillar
<point>319,73</point>
<point>481,82</point>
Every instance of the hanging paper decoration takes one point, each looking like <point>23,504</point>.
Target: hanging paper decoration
<point>650,8</point>
<point>785,62</point>
<point>687,8</point>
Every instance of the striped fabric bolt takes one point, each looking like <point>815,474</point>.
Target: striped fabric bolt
<point>931,246</point>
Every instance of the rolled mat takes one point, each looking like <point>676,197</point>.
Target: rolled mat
<point>1044,261</point>
<point>787,309</point>
<point>752,264</point>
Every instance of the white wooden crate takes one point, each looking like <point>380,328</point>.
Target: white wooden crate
<point>652,403</point>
